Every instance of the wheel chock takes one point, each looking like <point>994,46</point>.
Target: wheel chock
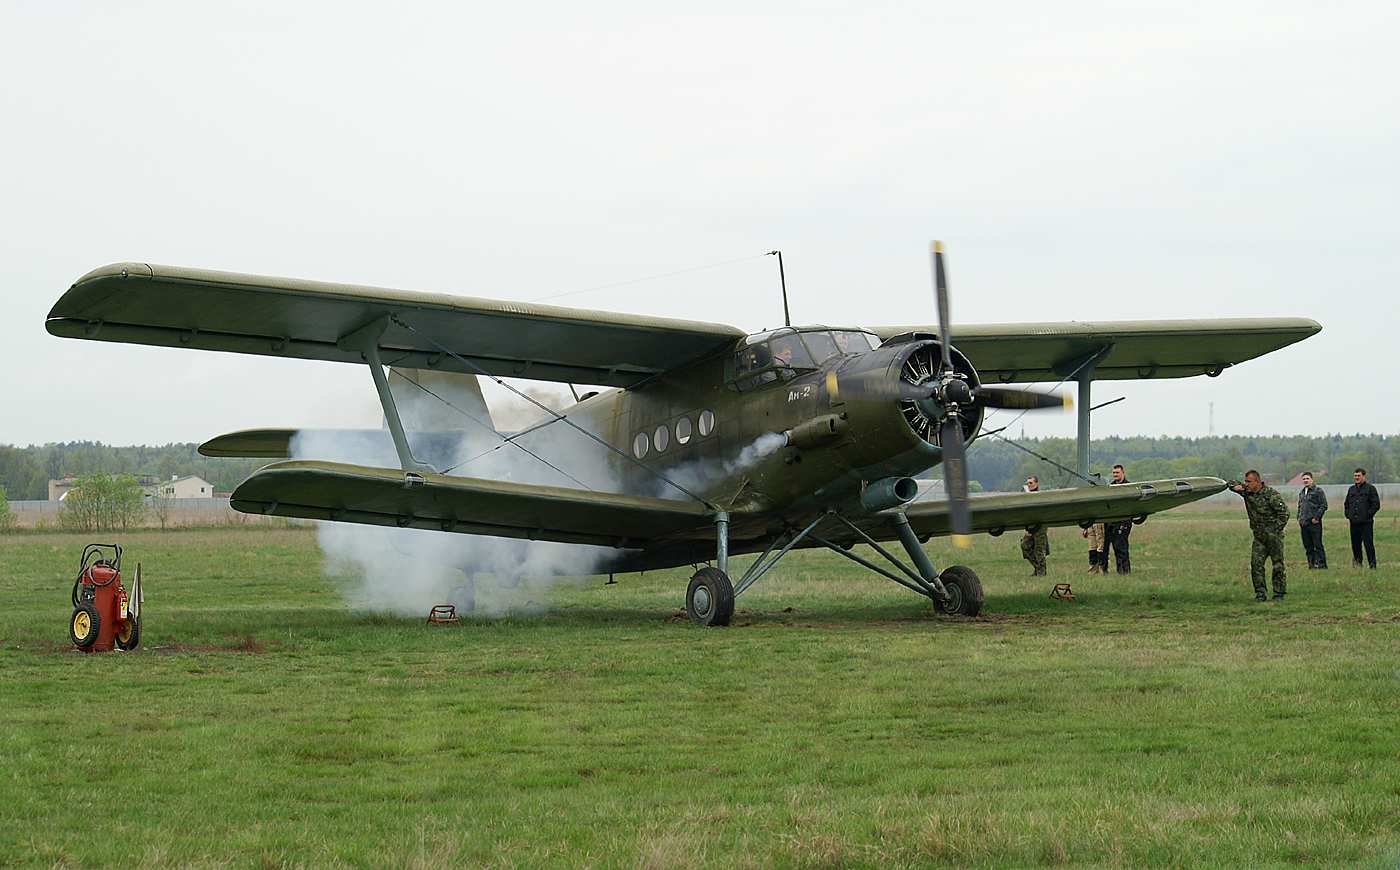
<point>443,614</point>
<point>1062,592</point>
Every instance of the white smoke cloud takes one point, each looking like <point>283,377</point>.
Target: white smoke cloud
<point>407,571</point>
<point>704,473</point>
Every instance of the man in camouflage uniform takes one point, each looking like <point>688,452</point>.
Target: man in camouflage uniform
<point>1268,517</point>
<point>1035,544</point>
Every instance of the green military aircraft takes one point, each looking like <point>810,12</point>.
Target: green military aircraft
<point>711,442</point>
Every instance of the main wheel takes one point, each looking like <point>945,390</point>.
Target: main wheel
<point>84,626</point>
<point>129,635</point>
<point>964,591</point>
<point>710,598</point>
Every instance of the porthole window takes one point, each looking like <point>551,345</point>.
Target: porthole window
<point>707,423</point>
<point>683,430</point>
<point>661,437</point>
<point>640,445</point>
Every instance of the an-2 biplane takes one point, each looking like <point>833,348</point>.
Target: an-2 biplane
<point>856,413</point>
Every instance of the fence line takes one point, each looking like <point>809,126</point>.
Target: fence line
<point>33,513</point>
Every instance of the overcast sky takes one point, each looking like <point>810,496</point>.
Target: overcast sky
<point>1081,161</point>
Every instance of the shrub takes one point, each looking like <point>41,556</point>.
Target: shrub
<point>102,502</point>
<point>7,516</point>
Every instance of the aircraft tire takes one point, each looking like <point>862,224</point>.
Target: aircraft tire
<point>709,600</point>
<point>964,589</point>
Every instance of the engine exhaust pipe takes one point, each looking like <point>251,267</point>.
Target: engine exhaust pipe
<point>891,492</point>
<point>816,432</point>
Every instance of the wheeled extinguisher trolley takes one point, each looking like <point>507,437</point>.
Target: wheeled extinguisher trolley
<point>105,615</point>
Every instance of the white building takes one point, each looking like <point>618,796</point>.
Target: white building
<point>182,487</point>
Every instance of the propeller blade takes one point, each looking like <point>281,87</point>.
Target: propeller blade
<point>940,294</point>
<point>950,438</point>
<point>1001,397</point>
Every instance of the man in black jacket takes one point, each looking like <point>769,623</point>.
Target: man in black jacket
<point>1360,508</point>
<point>1312,504</point>
<point>1116,534</point>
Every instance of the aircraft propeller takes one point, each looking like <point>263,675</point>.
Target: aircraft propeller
<point>952,393</point>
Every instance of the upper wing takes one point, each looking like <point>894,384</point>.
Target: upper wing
<point>1063,507</point>
<point>386,497</point>
<point>170,306</point>
<point>1025,352</point>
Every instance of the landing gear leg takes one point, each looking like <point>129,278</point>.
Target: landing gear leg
<point>916,553</point>
<point>709,600</point>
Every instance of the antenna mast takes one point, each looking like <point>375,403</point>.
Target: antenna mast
<point>782,278</point>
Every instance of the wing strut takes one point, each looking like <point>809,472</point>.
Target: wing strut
<point>1085,375</point>
<point>366,340</point>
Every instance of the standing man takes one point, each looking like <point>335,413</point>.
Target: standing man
<point>1116,534</point>
<point>1098,558</point>
<point>1360,508</point>
<point>1035,544</point>
<point>1312,504</point>
<point>1268,516</point>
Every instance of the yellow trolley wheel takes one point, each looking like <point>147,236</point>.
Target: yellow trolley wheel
<point>84,626</point>
<point>129,635</point>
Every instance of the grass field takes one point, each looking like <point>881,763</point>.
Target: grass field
<point>1161,718</point>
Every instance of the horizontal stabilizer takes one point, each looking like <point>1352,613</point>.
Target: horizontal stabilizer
<point>364,446</point>
<point>1065,507</point>
<point>388,497</point>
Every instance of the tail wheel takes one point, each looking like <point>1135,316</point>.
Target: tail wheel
<point>710,598</point>
<point>129,634</point>
<point>964,591</point>
<point>84,626</point>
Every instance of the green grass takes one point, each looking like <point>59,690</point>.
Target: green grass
<point>1161,718</point>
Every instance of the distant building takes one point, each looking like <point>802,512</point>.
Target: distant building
<point>59,488</point>
<point>1297,479</point>
<point>182,487</point>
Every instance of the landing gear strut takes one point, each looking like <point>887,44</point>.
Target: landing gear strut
<point>709,600</point>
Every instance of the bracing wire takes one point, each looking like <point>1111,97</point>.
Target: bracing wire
<point>504,439</point>
<point>997,434</point>
<point>558,418</point>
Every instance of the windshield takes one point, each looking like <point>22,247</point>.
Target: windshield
<point>852,342</point>
<point>788,351</point>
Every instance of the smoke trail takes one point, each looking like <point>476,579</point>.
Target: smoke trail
<point>407,571</point>
<point>704,473</point>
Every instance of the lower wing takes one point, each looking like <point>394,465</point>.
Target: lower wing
<point>388,497</point>
<point>1080,506</point>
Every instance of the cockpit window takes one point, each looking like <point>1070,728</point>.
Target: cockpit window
<point>752,358</point>
<point>788,351</point>
<point>852,342</point>
<point>821,344</point>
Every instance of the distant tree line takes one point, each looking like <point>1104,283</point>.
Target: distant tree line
<point>25,472</point>
<point>998,465</point>
<point>995,464</point>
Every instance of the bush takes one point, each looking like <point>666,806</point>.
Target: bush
<point>7,516</point>
<point>102,502</point>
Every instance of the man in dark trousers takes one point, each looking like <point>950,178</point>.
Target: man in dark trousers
<point>1268,517</point>
<point>1360,508</point>
<point>1312,504</point>
<point>1116,534</point>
